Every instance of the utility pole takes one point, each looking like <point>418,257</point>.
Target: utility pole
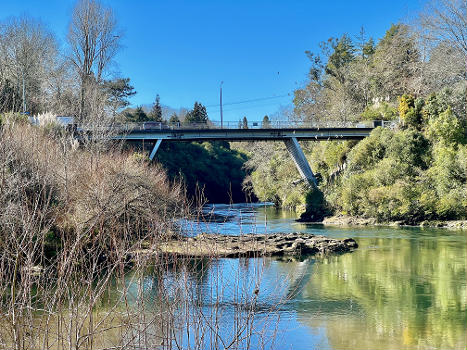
<point>222,116</point>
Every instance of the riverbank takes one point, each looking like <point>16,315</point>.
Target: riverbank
<point>344,220</point>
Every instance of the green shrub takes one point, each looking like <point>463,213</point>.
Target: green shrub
<point>384,111</point>
<point>410,111</point>
<point>445,128</point>
<point>400,175</point>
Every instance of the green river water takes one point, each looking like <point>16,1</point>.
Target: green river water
<point>403,288</point>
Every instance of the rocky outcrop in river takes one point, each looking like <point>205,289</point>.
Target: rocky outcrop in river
<point>206,245</point>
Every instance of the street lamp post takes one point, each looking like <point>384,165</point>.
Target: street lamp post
<point>222,117</point>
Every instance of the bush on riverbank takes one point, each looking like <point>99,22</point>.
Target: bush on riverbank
<point>70,215</point>
<point>412,174</point>
<point>56,194</point>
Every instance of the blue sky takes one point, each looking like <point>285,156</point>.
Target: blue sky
<point>182,50</point>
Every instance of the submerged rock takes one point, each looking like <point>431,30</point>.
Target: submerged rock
<point>205,245</point>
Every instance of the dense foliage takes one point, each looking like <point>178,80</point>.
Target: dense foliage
<point>411,174</point>
<point>209,169</point>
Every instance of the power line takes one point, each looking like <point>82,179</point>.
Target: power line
<point>248,101</point>
<point>241,108</point>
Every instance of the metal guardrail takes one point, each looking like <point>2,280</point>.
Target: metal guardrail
<point>227,125</point>
<point>68,121</point>
<point>250,125</point>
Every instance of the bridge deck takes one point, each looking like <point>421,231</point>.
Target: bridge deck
<point>247,134</point>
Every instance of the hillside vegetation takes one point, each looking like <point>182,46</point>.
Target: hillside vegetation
<point>413,171</point>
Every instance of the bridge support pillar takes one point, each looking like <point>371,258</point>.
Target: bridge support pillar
<point>154,150</point>
<point>295,151</point>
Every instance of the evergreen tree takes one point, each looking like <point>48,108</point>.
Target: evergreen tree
<point>139,115</point>
<point>266,122</point>
<point>369,48</point>
<point>174,118</point>
<point>244,123</point>
<point>365,47</point>
<point>156,111</point>
<point>198,115</point>
<point>118,92</point>
<point>343,54</point>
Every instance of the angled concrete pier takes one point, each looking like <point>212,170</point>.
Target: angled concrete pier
<point>154,150</point>
<point>296,152</point>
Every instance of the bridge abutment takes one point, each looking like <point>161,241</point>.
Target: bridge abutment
<point>296,152</point>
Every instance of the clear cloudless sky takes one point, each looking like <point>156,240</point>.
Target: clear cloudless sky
<point>182,50</point>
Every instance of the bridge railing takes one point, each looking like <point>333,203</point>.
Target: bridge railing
<point>391,124</point>
<point>275,124</point>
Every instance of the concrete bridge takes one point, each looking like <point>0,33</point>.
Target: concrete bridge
<point>288,132</point>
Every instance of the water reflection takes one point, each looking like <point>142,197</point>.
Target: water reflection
<point>412,291</point>
<point>402,289</point>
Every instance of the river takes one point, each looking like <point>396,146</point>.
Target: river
<point>403,288</point>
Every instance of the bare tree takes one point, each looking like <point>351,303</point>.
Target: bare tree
<point>62,89</point>
<point>396,63</point>
<point>446,20</point>
<point>27,57</point>
<point>93,38</point>
<point>441,30</point>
